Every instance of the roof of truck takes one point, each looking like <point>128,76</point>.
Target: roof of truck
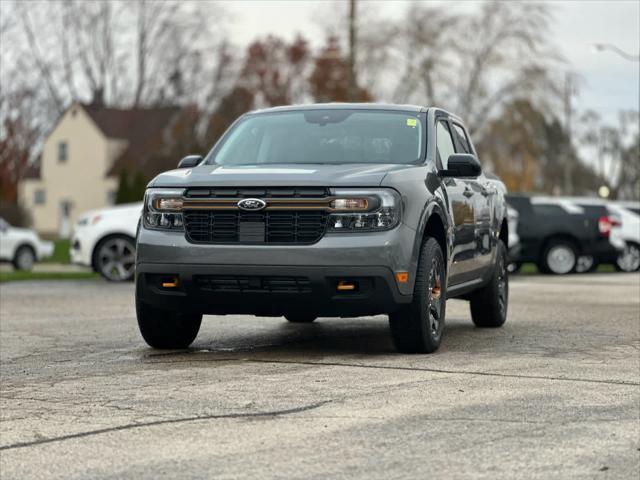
<point>344,106</point>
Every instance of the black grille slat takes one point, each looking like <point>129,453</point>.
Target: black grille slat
<point>264,227</point>
<point>247,284</point>
<point>286,227</point>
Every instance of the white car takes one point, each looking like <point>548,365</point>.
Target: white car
<point>629,231</point>
<point>105,241</point>
<point>21,246</point>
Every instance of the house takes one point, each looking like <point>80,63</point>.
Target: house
<point>77,170</point>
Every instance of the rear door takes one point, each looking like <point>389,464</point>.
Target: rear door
<point>460,206</point>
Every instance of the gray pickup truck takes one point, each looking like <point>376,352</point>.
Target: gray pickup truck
<point>336,210</point>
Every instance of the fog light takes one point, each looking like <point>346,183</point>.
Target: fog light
<point>170,282</point>
<point>345,286</point>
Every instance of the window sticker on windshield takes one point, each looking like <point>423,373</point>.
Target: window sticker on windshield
<point>412,122</point>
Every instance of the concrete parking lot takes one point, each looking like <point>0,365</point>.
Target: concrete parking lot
<point>553,394</point>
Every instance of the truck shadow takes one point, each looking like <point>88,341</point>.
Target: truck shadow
<point>327,337</point>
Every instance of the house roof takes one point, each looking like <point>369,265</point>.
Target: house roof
<point>142,128</point>
<point>133,124</point>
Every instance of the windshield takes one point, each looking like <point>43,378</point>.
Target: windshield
<point>323,136</point>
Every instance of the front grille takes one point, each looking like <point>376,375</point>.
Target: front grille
<point>271,227</point>
<point>247,284</point>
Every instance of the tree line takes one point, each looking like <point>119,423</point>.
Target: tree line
<point>496,66</point>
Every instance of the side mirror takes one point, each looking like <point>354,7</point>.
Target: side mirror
<point>462,165</point>
<point>190,161</point>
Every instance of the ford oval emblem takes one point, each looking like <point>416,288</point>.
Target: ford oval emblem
<point>251,204</point>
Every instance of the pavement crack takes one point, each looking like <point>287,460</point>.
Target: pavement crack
<point>451,372</point>
<point>130,426</point>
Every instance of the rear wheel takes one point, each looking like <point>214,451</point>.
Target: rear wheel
<point>489,304</point>
<point>166,329</point>
<point>115,258</point>
<point>24,258</point>
<point>629,259</point>
<point>417,328</point>
<point>300,318</point>
<point>560,257</point>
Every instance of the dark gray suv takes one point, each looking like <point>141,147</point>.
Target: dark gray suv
<point>336,210</point>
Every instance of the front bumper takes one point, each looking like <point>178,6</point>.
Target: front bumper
<point>371,260</point>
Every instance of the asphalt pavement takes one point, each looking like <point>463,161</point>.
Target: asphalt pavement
<point>555,393</point>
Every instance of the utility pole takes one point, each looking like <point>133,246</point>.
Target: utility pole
<point>567,94</point>
<point>351,86</point>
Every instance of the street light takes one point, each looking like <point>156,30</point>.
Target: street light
<point>601,47</point>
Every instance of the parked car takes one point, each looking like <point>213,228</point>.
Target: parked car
<point>629,231</point>
<point>105,240</point>
<point>621,228</point>
<point>514,241</point>
<point>558,234</point>
<point>326,210</point>
<point>22,247</point>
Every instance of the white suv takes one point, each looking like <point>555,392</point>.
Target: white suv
<point>105,241</point>
<point>22,247</point>
<point>629,231</point>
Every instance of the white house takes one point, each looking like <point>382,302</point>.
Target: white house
<point>75,172</point>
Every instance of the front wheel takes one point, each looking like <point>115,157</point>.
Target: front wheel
<point>629,259</point>
<point>559,258</point>
<point>489,304</point>
<point>115,258</point>
<point>167,329</point>
<point>417,328</point>
<point>24,258</point>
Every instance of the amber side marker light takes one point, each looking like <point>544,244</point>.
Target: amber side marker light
<point>344,286</point>
<point>173,283</point>
<point>402,277</point>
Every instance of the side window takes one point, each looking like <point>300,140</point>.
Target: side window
<point>444,145</point>
<point>548,209</point>
<point>39,197</point>
<point>461,139</point>
<point>62,152</point>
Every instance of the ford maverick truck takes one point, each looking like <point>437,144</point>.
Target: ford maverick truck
<point>335,210</point>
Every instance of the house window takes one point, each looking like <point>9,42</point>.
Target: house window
<point>63,153</point>
<point>39,197</point>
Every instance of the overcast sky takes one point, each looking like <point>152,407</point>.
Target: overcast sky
<point>609,83</point>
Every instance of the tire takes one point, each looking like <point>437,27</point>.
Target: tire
<point>300,318</point>
<point>417,327</point>
<point>586,264</point>
<point>165,329</point>
<point>559,258</point>
<point>514,267</point>
<point>115,258</point>
<point>489,304</point>
<point>24,258</point>
<point>629,259</point>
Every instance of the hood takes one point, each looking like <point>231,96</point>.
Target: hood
<point>118,210</point>
<point>274,175</point>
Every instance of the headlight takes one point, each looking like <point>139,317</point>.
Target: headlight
<point>163,209</point>
<point>368,210</point>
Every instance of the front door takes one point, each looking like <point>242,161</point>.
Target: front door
<point>461,208</point>
<point>64,224</point>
